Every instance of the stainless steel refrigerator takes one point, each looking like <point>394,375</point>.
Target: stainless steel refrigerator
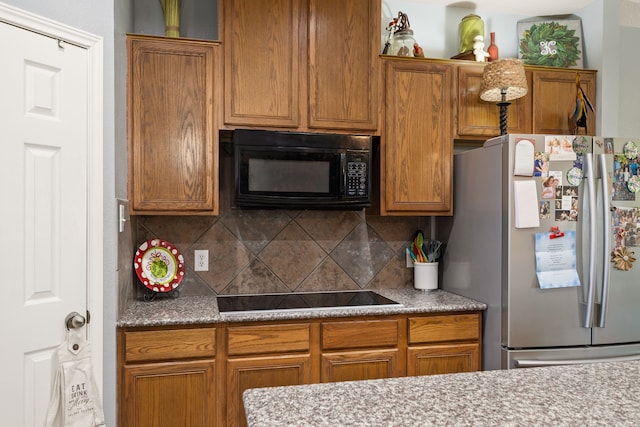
<point>550,301</point>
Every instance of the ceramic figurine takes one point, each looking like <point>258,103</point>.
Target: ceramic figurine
<point>478,49</point>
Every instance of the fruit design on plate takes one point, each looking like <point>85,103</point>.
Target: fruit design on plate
<point>159,265</point>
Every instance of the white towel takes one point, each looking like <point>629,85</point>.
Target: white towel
<point>75,401</point>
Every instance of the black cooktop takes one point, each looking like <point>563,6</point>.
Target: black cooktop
<point>302,301</point>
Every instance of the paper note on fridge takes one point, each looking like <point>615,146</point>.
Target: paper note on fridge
<point>525,203</point>
<point>556,260</point>
<point>524,158</point>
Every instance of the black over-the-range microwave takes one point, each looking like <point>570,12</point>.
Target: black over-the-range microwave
<point>298,170</point>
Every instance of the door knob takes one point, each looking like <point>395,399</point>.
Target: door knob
<point>74,320</point>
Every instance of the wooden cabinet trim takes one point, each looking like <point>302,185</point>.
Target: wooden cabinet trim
<point>359,334</point>
<point>262,339</point>
<point>169,344</point>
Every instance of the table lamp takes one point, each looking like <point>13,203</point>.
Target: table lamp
<point>503,81</point>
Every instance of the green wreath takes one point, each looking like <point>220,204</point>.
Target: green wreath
<point>550,44</point>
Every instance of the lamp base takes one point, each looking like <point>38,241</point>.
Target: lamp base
<point>503,116</point>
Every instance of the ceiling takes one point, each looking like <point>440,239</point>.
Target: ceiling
<point>519,7</point>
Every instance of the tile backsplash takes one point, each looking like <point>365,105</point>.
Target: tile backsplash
<point>259,251</point>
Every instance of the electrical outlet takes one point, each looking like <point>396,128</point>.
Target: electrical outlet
<point>201,260</point>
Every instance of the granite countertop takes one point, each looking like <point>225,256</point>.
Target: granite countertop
<point>204,309</point>
<point>578,395</point>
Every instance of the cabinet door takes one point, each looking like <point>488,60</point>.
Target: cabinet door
<point>443,359</point>
<point>360,365</point>
<point>173,154</point>
<point>255,372</point>
<point>554,94</point>
<point>343,64</point>
<point>169,394</point>
<point>264,47</point>
<point>417,148</point>
<point>478,118</point>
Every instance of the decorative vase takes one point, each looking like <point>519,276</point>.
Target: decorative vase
<point>493,48</point>
<point>470,27</point>
<point>171,11</point>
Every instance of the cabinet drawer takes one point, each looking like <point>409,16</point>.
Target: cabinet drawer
<point>267,339</point>
<point>363,334</point>
<point>170,344</point>
<point>444,328</point>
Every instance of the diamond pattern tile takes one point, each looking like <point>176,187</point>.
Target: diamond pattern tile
<point>256,279</point>
<point>394,275</point>
<point>327,277</point>
<point>328,228</point>
<point>261,251</point>
<point>182,231</point>
<point>292,255</point>
<point>256,228</point>
<point>362,254</point>
<point>227,256</point>
<point>396,231</point>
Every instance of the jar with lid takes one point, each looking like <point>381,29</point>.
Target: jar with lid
<point>470,27</point>
<point>402,43</point>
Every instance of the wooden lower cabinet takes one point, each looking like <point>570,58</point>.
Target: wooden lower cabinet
<point>255,372</point>
<point>360,365</point>
<point>170,394</point>
<point>443,359</point>
<point>360,350</point>
<point>196,376</point>
<point>444,344</point>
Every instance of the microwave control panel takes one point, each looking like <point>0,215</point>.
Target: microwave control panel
<point>356,178</point>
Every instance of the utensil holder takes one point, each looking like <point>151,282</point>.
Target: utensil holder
<point>425,275</point>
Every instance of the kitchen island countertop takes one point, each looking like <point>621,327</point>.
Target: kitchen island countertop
<point>578,395</point>
<point>204,309</point>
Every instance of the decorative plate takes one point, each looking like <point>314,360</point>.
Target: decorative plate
<point>159,265</point>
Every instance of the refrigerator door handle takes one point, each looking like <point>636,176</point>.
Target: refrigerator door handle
<point>532,363</point>
<point>590,188</point>
<point>606,238</point>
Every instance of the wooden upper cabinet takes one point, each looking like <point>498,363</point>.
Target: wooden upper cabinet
<point>554,92</point>
<point>478,118</point>
<point>172,129</point>
<point>343,64</point>
<point>301,64</point>
<point>416,151</point>
<point>264,49</point>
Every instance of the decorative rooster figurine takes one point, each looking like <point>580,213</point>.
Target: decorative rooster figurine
<point>580,110</point>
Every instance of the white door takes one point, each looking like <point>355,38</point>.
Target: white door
<point>44,227</point>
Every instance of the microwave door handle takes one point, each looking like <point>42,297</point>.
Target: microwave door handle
<point>343,168</point>
<point>606,237</point>
<point>590,181</point>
